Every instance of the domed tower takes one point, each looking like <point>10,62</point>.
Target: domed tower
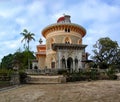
<point>64,48</point>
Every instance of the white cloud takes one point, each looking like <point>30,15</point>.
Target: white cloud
<point>8,47</point>
<point>100,18</point>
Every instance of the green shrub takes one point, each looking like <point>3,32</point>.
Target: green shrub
<point>103,76</point>
<point>6,72</point>
<point>91,74</point>
<point>103,65</point>
<point>62,71</point>
<point>94,74</point>
<point>23,77</point>
<point>111,73</point>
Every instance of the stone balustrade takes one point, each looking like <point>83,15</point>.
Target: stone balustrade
<point>42,71</point>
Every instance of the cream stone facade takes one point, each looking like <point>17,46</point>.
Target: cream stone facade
<point>63,48</point>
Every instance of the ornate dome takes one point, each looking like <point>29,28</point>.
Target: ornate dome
<point>64,19</point>
<point>61,19</point>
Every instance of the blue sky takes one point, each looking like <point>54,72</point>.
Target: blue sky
<point>101,18</point>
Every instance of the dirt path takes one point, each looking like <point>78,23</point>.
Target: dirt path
<point>97,91</point>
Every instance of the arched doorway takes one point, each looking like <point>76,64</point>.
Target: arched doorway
<point>70,64</point>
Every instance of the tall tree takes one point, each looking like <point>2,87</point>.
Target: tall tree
<point>106,52</point>
<point>27,37</point>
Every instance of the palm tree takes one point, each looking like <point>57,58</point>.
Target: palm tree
<point>28,36</point>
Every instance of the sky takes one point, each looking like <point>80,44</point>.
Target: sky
<point>100,18</point>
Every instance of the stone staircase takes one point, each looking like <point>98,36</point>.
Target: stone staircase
<point>36,79</point>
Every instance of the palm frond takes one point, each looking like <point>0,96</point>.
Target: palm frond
<point>25,31</point>
<point>27,36</point>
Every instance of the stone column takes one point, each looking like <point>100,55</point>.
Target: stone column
<point>74,65</point>
<point>59,57</point>
<point>66,63</point>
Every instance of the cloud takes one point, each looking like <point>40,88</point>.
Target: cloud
<point>100,18</point>
<point>8,47</point>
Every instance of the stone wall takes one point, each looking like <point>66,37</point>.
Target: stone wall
<point>42,62</point>
<point>15,79</point>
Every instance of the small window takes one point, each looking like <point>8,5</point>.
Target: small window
<point>68,30</point>
<point>65,29</point>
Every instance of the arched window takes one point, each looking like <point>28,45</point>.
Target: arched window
<point>67,40</point>
<point>51,42</point>
<point>80,41</point>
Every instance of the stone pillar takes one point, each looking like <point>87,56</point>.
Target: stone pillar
<point>74,67</point>
<point>59,57</point>
<point>66,63</point>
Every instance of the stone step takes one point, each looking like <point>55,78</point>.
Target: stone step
<point>46,79</point>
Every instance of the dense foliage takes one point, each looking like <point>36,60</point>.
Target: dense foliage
<point>6,72</point>
<point>91,74</point>
<point>106,53</point>
<point>18,59</point>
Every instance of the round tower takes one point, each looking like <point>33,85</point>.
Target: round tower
<point>66,34</point>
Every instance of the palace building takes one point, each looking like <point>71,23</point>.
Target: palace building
<point>63,48</point>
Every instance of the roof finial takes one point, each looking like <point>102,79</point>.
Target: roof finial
<point>40,41</point>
